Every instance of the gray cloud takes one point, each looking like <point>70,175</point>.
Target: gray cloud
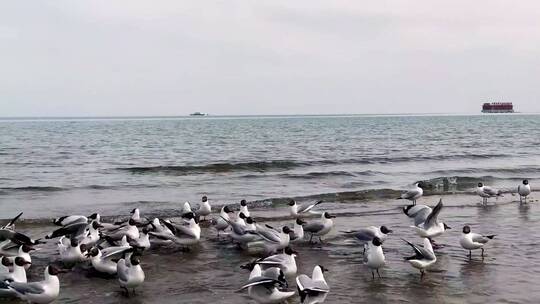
<point>67,58</point>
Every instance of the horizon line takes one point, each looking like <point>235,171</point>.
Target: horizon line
<point>254,115</point>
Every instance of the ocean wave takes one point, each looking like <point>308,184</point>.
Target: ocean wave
<point>32,188</point>
<point>219,167</point>
<point>284,165</point>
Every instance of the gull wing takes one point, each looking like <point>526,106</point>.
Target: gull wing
<point>275,260</point>
<point>410,194</point>
<point>313,227</point>
<point>306,283</point>
<point>422,215</point>
<point>122,270</point>
<point>490,191</point>
<point>432,218</point>
<point>307,208</point>
<point>269,235</point>
<point>110,252</point>
<point>478,238</point>
<point>24,288</point>
<point>420,252</point>
<point>364,234</point>
<point>259,281</point>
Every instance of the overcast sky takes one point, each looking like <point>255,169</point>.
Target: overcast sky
<point>110,58</point>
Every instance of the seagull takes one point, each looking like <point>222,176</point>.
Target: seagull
<point>186,208</point>
<point>17,275</point>
<point>432,227</point>
<point>143,242</point>
<point>375,256</point>
<point>423,257</point>
<point>92,236</point>
<point>315,289</point>
<point>221,223</point>
<point>366,235</point>
<point>241,233</point>
<point>240,219</point>
<point>130,275</point>
<point>417,212</point>
<point>285,261</point>
<point>70,219</point>
<point>273,273</point>
<point>204,208</point>
<point>11,251</point>
<point>302,210</point>
<point>524,190</point>
<point>250,224</point>
<point>160,234</point>
<point>130,231</point>
<point>298,231</point>
<point>71,251</point>
<point>42,292</point>
<point>486,192</point>
<point>5,265</point>
<point>102,260</point>
<point>189,234</point>
<point>265,290</point>
<point>413,194</point>
<point>472,241</point>
<point>16,238</point>
<point>73,230</point>
<point>274,240</point>
<point>320,228</point>
<point>244,208</point>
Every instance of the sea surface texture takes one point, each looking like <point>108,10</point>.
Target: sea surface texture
<point>69,165</point>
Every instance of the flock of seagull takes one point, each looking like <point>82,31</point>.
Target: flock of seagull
<point>116,249</point>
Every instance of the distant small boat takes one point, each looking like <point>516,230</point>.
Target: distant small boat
<point>198,114</point>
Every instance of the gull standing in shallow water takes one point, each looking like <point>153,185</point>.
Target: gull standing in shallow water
<point>472,241</point>
<point>423,257</point>
<point>524,190</point>
<point>366,235</point>
<point>204,209</point>
<point>315,289</point>
<point>320,228</point>
<point>375,256</point>
<point>486,192</point>
<point>301,210</point>
<point>130,275</point>
<point>413,194</point>
<point>221,223</point>
<point>42,292</point>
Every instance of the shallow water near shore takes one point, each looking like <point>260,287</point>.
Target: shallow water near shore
<point>210,273</point>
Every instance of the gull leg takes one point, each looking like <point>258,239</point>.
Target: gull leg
<point>378,273</point>
<point>372,275</point>
<point>520,200</point>
<point>470,254</point>
<point>126,290</point>
<point>320,240</point>
<point>482,252</point>
<point>422,273</point>
<point>310,238</point>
